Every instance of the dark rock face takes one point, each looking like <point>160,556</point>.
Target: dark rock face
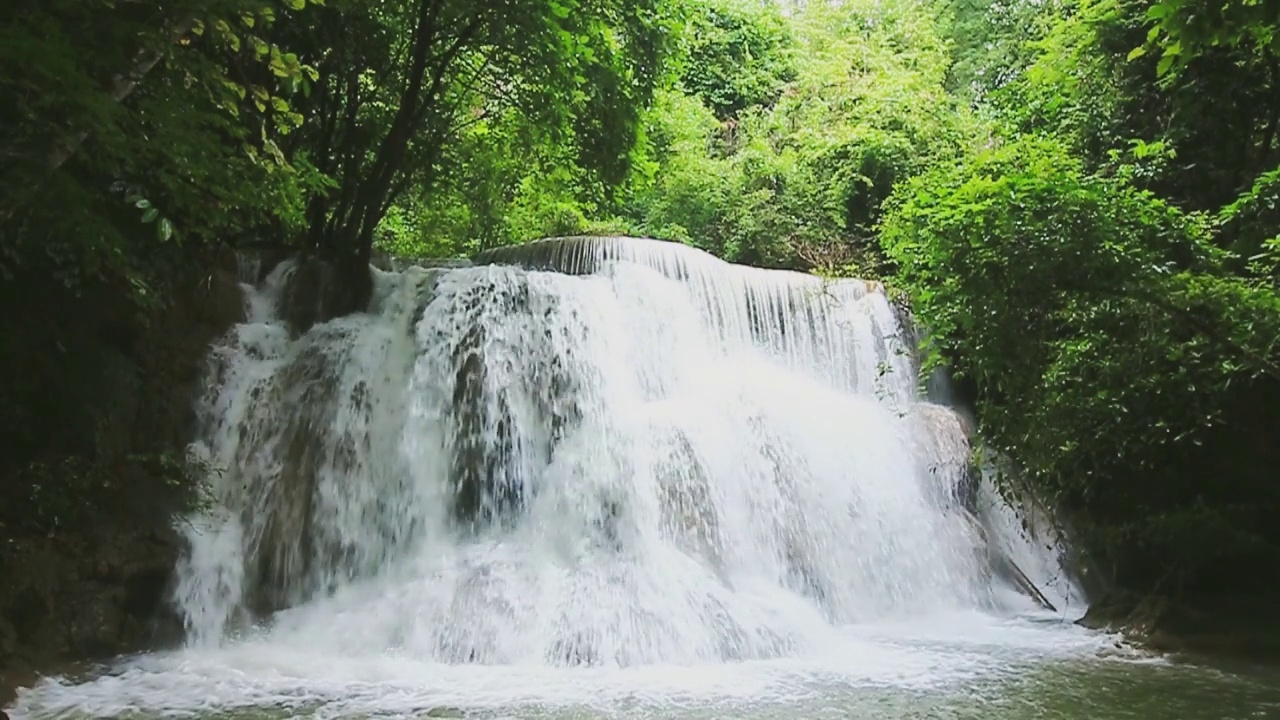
<point>320,289</point>
<point>310,295</point>
<point>1238,626</point>
<point>96,408</point>
<point>86,596</point>
<point>490,482</point>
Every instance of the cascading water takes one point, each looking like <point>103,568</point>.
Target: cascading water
<point>605,453</point>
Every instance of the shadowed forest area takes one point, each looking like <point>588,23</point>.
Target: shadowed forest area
<point>1080,199</point>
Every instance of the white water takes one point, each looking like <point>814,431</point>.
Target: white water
<point>668,479</point>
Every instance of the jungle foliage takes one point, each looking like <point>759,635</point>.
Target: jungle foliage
<point>1102,274</point>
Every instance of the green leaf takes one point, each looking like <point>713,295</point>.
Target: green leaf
<point>150,215</point>
<point>165,229</point>
<point>1136,53</point>
<point>142,204</point>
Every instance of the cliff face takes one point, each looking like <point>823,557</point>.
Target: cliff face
<point>96,398</point>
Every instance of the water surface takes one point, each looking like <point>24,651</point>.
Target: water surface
<point>955,667</point>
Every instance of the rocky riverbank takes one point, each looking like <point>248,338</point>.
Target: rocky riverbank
<point>1231,628</point>
<point>96,395</point>
<point>83,596</point>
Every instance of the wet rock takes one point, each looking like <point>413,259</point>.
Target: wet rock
<point>400,264</point>
<point>1239,627</point>
<point>309,295</point>
<point>688,510</point>
<point>13,679</point>
<point>440,712</point>
<point>320,288</point>
<point>382,260</point>
<point>490,449</point>
<point>303,397</point>
<point>89,489</point>
<point>61,605</point>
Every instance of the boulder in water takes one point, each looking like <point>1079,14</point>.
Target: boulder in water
<point>318,289</point>
<point>440,712</point>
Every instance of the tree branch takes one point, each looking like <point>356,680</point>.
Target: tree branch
<point>122,86</point>
<point>409,117</point>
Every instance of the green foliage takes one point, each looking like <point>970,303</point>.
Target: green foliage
<point>1123,351</point>
<point>993,42</point>
<point>128,125</point>
<point>1183,30</point>
<point>1215,120</point>
<point>1104,330</point>
<point>740,55</point>
<point>775,145</point>
<point>1251,225</point>
<point>799,182</point>
<point>511,185</point>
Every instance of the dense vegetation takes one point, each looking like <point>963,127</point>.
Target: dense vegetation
<point>1079,195</point>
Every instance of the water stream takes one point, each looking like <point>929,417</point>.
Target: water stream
<point>611,478</point>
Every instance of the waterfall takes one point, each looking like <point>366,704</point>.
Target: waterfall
<point>584,451</point>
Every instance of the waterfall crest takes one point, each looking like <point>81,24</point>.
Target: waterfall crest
<point>599,451</point>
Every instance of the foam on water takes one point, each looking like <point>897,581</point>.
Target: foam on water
<point>944,655</point>
<point>636,475</point>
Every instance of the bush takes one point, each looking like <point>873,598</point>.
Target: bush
<point>1110,346</point>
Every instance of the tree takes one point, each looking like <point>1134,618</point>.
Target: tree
<point>175,109</point>
<point>1186,30</point>
<point>1198,137</point>
<point>1113,349</point>
<point>740,55</point>
<point>803,177</point>
<point>401,79</point>
<point>992,43</point>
